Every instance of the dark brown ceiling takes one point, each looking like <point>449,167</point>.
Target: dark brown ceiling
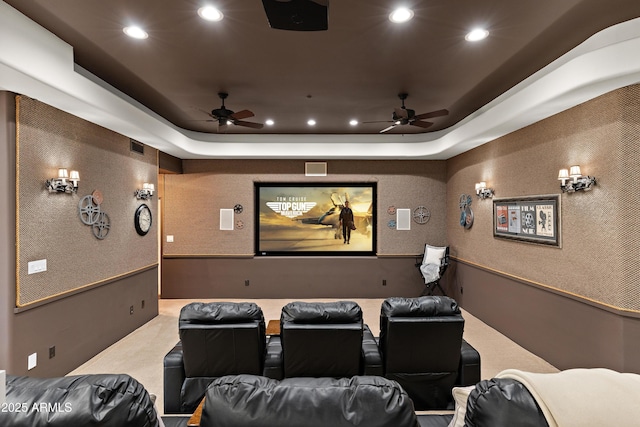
<point>355,69</point>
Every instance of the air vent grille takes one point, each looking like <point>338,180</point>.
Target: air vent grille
<point>137,147</point>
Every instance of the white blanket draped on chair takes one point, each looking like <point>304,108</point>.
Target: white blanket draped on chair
<point>584,397</point>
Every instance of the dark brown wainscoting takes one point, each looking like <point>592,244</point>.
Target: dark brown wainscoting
<point>290,277</point>
<point>565,330</point>
<point>82,325</point>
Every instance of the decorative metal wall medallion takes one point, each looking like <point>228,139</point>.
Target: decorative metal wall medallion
<point>102,226</point>
<point>91,214</point>
<point>466,214</point>
<point>88,210</point>
<point>421,215</point>
<point>391,223</point>
<point>391,210</point>
<point>238,208</point>
<point>239,224</point>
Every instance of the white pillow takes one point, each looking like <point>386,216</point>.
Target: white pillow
<point>433,254</point>
<point>460,395</point>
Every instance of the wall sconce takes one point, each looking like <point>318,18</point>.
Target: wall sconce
<point>64,183</point>
<point>572,180</point>
<point>146,192</point>
<point>482,191</point>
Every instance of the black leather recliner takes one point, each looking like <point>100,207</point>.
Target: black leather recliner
<point>421,345</point>
<point>108,400</point>
<point>322,340</point>
<point>248,401</point>
<point>216,339</point>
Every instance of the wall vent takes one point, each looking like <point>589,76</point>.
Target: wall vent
<point>137,147</point>
<point>315,169</point>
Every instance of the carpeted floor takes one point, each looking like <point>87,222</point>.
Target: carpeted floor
<point>140,354</point>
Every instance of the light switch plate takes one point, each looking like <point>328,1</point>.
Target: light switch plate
<point>170,239</point>
<point>37,266</point>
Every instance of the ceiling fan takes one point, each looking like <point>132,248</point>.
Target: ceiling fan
<point>224,116</point>
<point>407,116</point>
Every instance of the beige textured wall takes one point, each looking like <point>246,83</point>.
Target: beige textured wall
<point>48,225</point>
<point>600,252</point>
<point>192,201</point>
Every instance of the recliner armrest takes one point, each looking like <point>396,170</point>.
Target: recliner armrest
<point>372,359</point>
<point>273,359</point>
<point>174,377</point>
<point>469,368</point>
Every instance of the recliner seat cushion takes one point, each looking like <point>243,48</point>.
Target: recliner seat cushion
<point>86,400</point>
<point>245,400</point>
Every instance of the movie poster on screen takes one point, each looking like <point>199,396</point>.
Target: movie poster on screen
<point>302,219</point>
<point>534,219</point>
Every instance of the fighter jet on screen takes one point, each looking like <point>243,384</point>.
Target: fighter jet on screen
<point>331,218</point>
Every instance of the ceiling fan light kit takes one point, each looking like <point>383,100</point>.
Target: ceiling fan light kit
<point>225,117</point>
<point>406,116</point>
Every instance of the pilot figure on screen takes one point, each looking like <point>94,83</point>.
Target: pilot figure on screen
<point>346,221</point>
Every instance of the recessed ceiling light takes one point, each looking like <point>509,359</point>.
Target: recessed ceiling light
<point>353,122</point>
<point>477,35</point>
<point>135,32</point>
<point>269,122</point>
<point>401,15</point>
<point>311,122</point>
<point>210,13</point>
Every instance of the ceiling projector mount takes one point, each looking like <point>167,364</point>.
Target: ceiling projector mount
<point>406,116</point>
<point>297,15</point>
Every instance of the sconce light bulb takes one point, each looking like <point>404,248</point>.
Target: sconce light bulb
<point>563,174</point>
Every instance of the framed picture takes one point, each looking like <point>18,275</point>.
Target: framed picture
<point>534,219</point>
<point>318,219</point>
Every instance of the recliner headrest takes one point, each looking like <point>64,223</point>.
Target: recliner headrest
<point>428,306</point>
<point>220,312</point>
<point>329,312</point>
<point>246,400</point>
<point>79,400</point>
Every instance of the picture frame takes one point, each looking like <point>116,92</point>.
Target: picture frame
<point>532,219</point>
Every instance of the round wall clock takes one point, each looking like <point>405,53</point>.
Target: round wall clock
<point>142,220</point>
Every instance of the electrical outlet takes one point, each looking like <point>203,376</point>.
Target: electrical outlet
<point>384,282</point>
<point>52,352</point>
<point>246,283</point>
<point>131,310</point>
<point>170,238</point>
<point>142,305</point>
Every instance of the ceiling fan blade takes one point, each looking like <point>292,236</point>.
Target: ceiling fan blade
<point>387,129</point>
<point>431,114</point>
<point>402,113</point>
<point>244,114</point>
<point>248,124</point>
<point>421,124</point>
